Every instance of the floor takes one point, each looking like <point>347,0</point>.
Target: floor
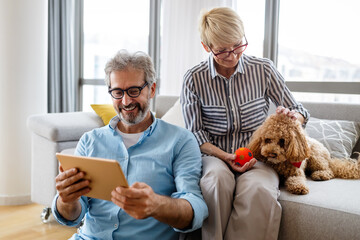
<point>24,223</point>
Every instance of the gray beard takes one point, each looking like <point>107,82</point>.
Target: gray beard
<point>132,120</point>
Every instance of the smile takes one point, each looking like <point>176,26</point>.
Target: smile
<point>129,108</point>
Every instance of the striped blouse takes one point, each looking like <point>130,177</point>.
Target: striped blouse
<point>226,112</point>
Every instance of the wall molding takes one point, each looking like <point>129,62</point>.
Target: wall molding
<point>15,200</point>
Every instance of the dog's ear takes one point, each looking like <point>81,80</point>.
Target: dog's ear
<point>298,149</point>
<point>255,143</point>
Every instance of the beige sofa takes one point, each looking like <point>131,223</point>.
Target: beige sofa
<point>330,211</point>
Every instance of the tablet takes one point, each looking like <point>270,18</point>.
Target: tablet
<point>104,174</point>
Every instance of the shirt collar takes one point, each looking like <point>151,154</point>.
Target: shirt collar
<point>115,120</point>
<point>213,72</point>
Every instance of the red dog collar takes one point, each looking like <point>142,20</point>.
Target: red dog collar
<point>297,164</point>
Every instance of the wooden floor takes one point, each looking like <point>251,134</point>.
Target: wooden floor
<point>24,223</point>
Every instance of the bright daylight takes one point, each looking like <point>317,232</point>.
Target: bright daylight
<point>179,119</point>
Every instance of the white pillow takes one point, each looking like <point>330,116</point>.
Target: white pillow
<point>338,136</point>
<point>174,115</point>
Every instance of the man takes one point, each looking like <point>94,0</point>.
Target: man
<point>162,163</point>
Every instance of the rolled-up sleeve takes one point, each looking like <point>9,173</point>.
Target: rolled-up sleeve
<point>187,171</point>
<point>62,220</point>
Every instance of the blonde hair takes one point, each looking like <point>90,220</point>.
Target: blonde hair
<point>220,26</point>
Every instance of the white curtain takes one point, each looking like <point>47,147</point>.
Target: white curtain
<point>181,47</point>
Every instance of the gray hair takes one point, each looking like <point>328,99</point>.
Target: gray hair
<point>137,60</point>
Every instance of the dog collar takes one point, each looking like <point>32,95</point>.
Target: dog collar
<point>297,164</point>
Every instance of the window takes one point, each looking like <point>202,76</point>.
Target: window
<point>318,43</point>
<point>108,26</point>
<point>252,13</point>
<point>313,43</point>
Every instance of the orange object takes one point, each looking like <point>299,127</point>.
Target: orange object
<point>243,155</point>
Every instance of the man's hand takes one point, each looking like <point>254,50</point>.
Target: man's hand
<point>230,159</point>
<point>71,185</point>
<point>139,200</point>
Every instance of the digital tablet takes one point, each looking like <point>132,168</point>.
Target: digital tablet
<point>104,174</point>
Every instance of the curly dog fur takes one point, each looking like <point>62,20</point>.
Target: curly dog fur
<point>281,143</point>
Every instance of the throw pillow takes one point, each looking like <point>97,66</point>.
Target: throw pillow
<point>105,111</point>
<point>338,136</point>
<point>174,115</point>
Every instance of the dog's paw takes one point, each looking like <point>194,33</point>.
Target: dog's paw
<point>296,185</point>
<point>299,190</point>
<point>322,175</point>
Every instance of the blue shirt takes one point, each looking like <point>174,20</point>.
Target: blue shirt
<point>226,112</point>
<point>166,157</point>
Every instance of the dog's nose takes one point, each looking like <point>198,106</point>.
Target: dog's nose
<point>273,155</point>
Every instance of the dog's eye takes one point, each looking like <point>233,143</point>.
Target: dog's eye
<point>281,142</point>
<point>267,140</point>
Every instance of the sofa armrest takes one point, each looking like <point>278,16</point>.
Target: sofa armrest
<point>60,127</point>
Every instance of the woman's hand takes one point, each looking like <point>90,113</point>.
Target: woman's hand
<point>290,113</point>
<point>230,159</point>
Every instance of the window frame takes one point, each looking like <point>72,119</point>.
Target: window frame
<point>270,51</point>
<point>272,13</point>
<point>153,49</point>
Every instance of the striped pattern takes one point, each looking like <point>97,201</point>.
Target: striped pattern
<point>225,112</point>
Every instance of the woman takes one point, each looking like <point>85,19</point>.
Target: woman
<point>224,99</point>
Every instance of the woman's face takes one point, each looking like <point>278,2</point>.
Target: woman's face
<point>231,60</point>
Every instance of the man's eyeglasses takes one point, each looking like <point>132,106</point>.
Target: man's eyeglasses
<point>133,92</point>
<point>237,50</point>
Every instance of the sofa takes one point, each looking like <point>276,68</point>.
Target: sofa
<point>330,211</point>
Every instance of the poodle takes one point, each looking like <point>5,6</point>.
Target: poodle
<point>283,144</point>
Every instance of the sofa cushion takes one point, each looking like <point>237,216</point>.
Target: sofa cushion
<point>331,210</point>
<point>105,111</point>
<point>174,115</point>
<point>338,136</point>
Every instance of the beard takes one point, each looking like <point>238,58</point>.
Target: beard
<point>134,118</point>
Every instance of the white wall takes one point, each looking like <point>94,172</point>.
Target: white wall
<point>23,70</point>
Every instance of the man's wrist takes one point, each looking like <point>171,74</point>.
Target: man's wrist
<point>69,211</point>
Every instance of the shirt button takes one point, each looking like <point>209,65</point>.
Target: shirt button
<point>115,225</point>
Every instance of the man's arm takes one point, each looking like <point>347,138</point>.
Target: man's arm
<point>71,187</point>
<point>140,201</point>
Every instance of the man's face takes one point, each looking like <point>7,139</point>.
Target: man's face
<point>131,110</point>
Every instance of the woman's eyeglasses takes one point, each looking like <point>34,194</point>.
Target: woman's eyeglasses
<point>237,50</point>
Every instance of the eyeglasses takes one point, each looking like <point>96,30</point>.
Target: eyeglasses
<point>237,50</point>
<point>133,92</point>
